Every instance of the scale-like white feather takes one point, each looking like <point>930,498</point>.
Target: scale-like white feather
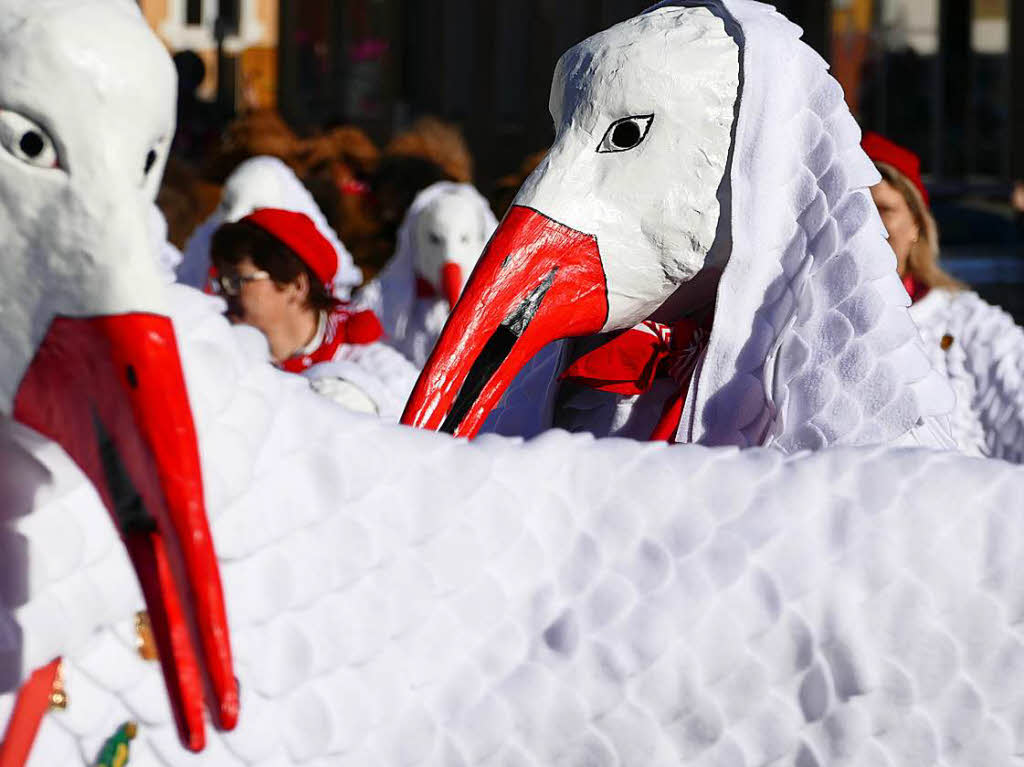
<point>399,597</point>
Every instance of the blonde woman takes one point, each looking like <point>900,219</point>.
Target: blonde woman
<point>978,345</point>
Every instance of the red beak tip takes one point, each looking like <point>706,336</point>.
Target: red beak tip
<point>196,741</point>
<point>229,711</point>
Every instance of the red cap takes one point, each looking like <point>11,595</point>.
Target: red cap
<point>880,149</point>
<point>298,232</point>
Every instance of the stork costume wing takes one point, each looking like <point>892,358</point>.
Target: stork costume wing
<point>696,136</point>
<point>981,349</point>
<point>439,242</point>
<point>398,597</point>
<point>263,182</point>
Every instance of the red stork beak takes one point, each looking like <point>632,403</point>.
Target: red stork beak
<point>110,391</point>
<point>451,283</point>
<point>538,281</point>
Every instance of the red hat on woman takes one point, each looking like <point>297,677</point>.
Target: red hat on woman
<point>880,149</point>
<point>298,232</point>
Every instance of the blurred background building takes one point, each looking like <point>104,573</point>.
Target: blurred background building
<point>935,75</point>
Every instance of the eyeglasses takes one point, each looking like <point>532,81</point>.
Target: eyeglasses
<point>231,284</point>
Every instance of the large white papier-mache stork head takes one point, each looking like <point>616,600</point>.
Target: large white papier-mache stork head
<point>89,356</point>
<point>700,142</point>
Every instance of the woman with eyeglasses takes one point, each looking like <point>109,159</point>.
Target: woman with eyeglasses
<point>977,345</point>
<point>276,270</point>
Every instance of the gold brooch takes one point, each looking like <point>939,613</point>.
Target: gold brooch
<point>946,342</point>
<point>145,643</point>
<point>58,695</point>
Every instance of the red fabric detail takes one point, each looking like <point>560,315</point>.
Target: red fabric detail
<point>31,705</point>
<point>343,327</point>
<point>424,289</point>
<point>211,277</point>
<point>668,424</point>
<point>629,364</point>
<point>881,149</point>
<point>353,187</point>
<point>298,232</point>
<point>363,328</point>
<point>107,386</point>
<point>915,289</point>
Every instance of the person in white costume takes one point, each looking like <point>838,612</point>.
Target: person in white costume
<point>277,273</point>
<point>977,345</point>
<point>677,196</point>
<point>399,597</point>
<point>442,236</point>
<point>263,182</point>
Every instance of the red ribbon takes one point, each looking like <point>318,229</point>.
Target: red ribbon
<point>632,361</point>
<point>343,327</point>
<point>915,289</point>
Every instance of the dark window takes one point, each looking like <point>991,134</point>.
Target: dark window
<point>194,12</point>
<point>229,16</point>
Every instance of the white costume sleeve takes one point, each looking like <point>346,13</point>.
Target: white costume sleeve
<point>379,375</point>
<point>981,349</point>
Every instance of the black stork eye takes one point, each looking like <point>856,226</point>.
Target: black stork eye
<point>26,141</point>
<point>625,134</point>
<point>32,144</point>
<point>150,161</point>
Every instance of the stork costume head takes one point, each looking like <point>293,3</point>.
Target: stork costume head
<point>440,240</point>
<point>658,121</point>
<point>263,182</point>
<point>90,358</point>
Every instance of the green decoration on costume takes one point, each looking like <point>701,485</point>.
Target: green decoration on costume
<point>116,750</point>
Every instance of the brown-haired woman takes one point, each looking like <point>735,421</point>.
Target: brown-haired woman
<point>977,345</point>
<point>276,270</point>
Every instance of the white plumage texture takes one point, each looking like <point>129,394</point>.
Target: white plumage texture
<point>818,349</point>
<point>398,597</point>
<point>984,360</point>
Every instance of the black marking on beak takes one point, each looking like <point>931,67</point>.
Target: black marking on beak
<point>494,353</point>
<point>128,505</point>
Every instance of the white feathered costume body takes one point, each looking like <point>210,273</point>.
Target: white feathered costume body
<point>399,597</point>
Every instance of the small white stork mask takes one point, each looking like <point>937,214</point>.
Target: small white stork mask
<point>450,234</point>
<point>89,356</point>
<point>439,243</point>
<point>658,120</point>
